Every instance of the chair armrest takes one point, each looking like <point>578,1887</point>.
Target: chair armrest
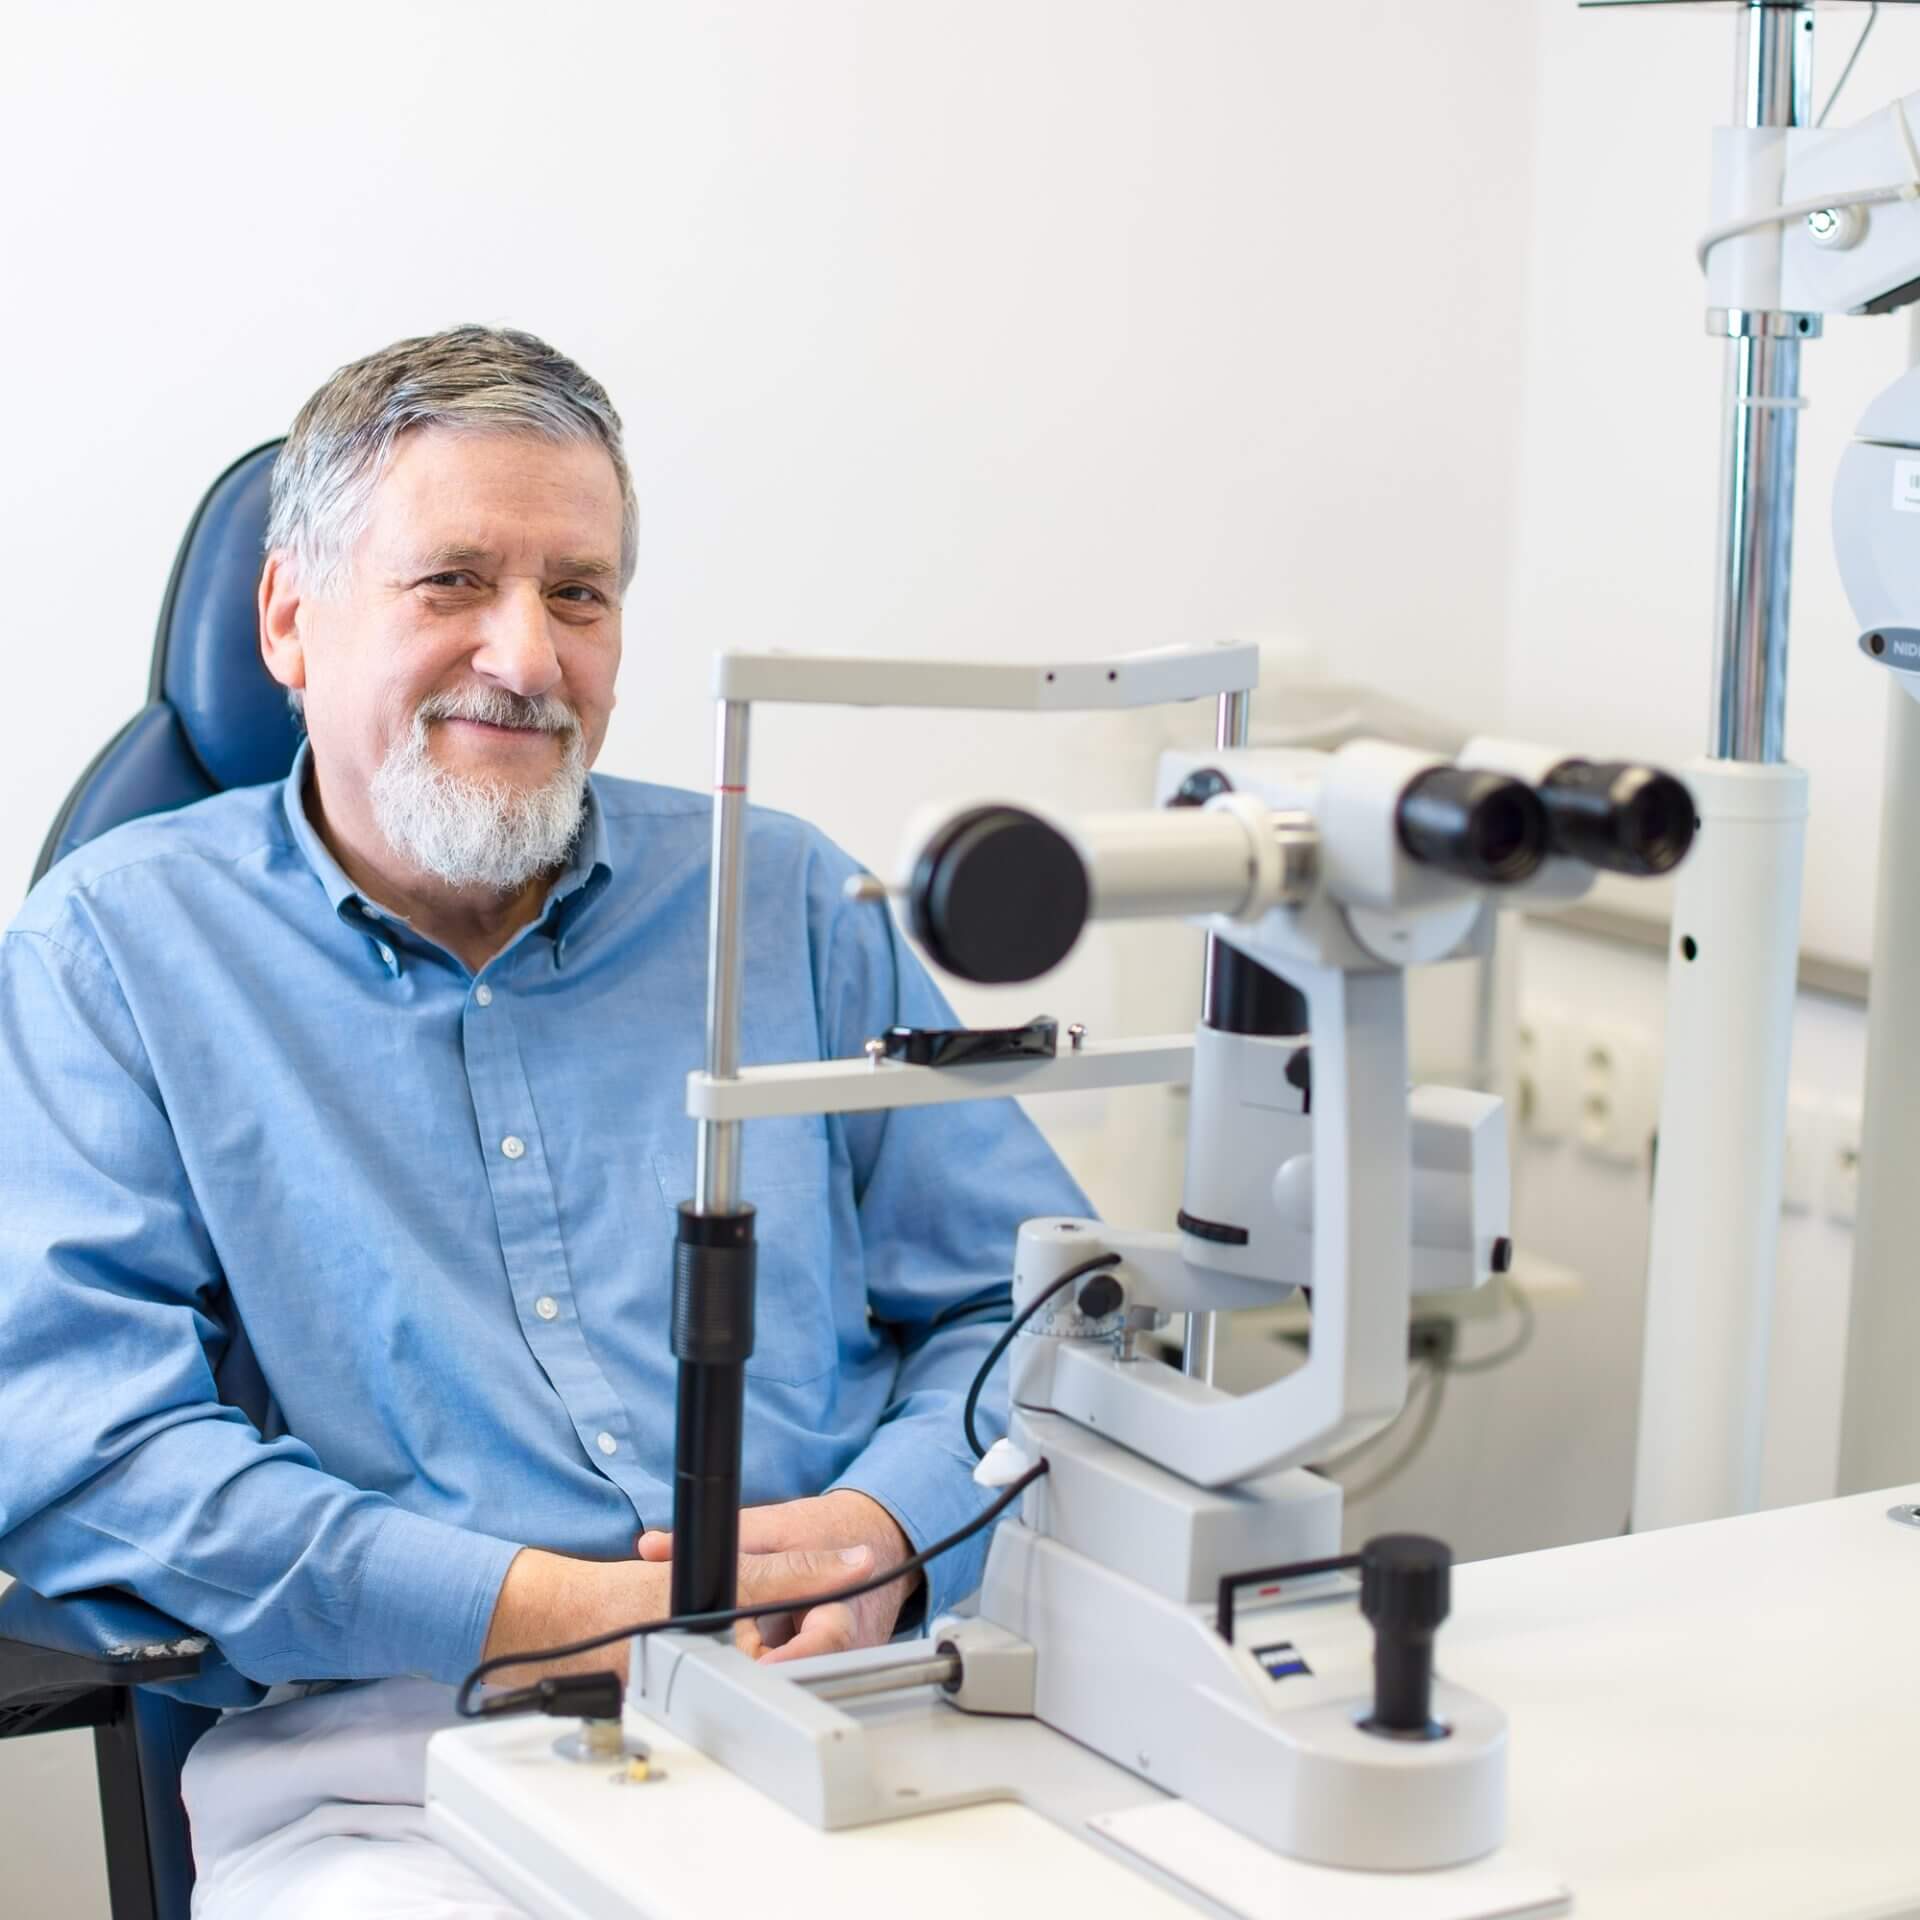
<point>61,1660</point>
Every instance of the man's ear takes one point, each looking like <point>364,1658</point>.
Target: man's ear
<point>282,631</point>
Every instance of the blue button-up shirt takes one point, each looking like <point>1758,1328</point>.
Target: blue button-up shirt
<point>331,1272</point>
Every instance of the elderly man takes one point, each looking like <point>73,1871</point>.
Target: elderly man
<point>346,1134</point>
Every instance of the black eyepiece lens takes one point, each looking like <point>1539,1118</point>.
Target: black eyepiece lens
<point>998,896</point>
<point>1481,826</point>
<point>1618,816</point>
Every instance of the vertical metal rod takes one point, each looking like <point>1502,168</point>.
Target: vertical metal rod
<point>1773,87</point>
<point>1773,75</point>
<point>717,1167</point>
<point>1753,593</point>
<point>1230,729</point>
<point>714,1248</point>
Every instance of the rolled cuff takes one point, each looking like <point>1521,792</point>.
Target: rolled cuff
<point>929,1489</point>
<point>425,1599</point>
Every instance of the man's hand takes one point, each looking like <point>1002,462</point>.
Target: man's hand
<point>799,1530</point>
<point>551,1600</point>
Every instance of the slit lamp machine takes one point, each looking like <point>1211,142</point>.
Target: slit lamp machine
<point>1168,1532</point>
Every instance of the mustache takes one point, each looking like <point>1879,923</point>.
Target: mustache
<point>544,713</point>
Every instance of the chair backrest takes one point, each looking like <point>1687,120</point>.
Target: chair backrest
<point>214,717</point>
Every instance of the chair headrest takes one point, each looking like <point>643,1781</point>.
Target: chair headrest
<point>206,657</point>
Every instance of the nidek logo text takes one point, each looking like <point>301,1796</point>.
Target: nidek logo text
<point>1905,649</point>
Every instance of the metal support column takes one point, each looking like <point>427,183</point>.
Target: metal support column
<point>1732,961</point>
<point>714,1251</point>
<point>1230,730</point>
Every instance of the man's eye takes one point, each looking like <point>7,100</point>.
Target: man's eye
<point>457,578</point>
<point>582,596</point>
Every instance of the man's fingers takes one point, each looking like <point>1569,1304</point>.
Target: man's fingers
<point>830,1629</point>
<point>654,1545</point>
<point>771,1529</point>
<point>796,1576</point>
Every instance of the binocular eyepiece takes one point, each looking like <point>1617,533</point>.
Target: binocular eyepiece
<point>1612,814</point>
<point>1482,826</point>
<point>1487,827</point>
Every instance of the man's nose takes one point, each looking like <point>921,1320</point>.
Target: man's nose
<point>516,647</point>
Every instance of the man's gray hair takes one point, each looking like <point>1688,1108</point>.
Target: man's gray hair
<point>468,379</point>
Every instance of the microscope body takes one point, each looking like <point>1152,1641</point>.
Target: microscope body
<point>1171,1595</point>
<point>1308,1166</point>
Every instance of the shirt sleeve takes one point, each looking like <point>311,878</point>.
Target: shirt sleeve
<point>942,1192</point>
<point>122,1467</point>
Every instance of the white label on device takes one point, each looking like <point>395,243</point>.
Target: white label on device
<point>1906,486</point>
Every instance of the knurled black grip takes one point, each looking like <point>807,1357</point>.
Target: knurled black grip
<point>713,1262</point>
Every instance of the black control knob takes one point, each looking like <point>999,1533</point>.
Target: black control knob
<point>1482,826</point>
<point>1405,1592</point>
<point>998,895</point>
<point>1101,1295</point>
<point>1611,814</point>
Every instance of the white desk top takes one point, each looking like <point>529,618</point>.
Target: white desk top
<point>1721,1719</point>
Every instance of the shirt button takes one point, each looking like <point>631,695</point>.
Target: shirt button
<point>513,1146</point>
<point>546,1306</point>
<point>386,954</point>
<point>483,994</point>
<point>607,1443</point>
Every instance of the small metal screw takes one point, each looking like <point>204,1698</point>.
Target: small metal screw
<point>1837,229</point>
<point>876,1053</point>
<point>1076,1036</point>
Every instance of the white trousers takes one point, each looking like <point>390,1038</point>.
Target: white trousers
<point>311,1810</point>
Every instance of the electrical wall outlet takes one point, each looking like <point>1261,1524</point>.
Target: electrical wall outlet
<point>1840,1161</point>
<point>1544,1073</point>
<point>1614,1087</point>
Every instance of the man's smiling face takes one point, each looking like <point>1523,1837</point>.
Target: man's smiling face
<point>475,641</point>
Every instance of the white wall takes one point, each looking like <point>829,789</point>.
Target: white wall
<point>936,326</point>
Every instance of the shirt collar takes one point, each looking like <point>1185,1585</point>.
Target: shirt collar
<point>581,882</point>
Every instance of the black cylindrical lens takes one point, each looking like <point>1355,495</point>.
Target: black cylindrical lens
<point>998,895</point>
<point>1482,826</point>
<point>1612,814</point>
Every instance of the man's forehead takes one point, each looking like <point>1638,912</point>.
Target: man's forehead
<point>463,499</point>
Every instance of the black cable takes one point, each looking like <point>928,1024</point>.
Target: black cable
<point>723,1617</point>
<point>988,1300</point>
<point>1014,1325</point>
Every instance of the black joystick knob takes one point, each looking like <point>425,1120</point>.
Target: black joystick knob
<point>998,895</point>
<point>1405,1582</point>
<point>1482,826</point>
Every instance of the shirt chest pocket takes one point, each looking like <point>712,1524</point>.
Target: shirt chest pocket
<point>795,1337</point>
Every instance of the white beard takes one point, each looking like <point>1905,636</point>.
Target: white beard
<point>469,832</point>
